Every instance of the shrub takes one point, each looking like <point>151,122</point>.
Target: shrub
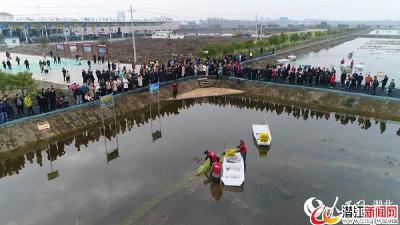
<point>24,80</point>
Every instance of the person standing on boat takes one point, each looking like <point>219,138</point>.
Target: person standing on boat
<point>212,156</point>
<point>216,170</point>
<point>242,148</point>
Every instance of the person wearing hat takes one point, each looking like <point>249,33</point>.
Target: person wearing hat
<point>392,86</point>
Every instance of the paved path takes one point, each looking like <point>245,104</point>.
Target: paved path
<point>207,92</point>
<point>55,74</point>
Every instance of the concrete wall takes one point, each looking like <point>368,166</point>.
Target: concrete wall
<point>24,134</point>
<point>318,99</point>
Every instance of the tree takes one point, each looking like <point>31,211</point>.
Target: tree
<point>283,37</point>
<point>319,34</point>
<point>294,37</point>
<point>274,40</point>
<point>25,81</point>
<point>248,44</point>
<point>309,35</point>
<point>4,82</point>
<point>9,82</point>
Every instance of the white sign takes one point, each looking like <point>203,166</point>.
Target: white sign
<point>44,126</point>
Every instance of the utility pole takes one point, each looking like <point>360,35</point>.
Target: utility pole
<point>133,36</point>
<point>256,27</point>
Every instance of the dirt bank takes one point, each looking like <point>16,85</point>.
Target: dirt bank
<point>23,136</point>
<point>318,99</point>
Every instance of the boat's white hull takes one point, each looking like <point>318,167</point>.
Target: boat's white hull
<point>233,172</point>
<point>257,130</point>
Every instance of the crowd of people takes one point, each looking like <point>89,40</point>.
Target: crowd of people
<point>117,78</point>
<point>7,63</point>
<point>23,104</point>
<point>312,76</point>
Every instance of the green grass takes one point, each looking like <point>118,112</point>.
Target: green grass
<point>279,41</point>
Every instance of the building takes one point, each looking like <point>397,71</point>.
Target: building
<point>6,16</point>
<point>121,16</point>
<point>29,30</point>
<point>166,35</point>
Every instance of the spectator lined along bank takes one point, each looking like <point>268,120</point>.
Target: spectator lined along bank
<point>117,79</point>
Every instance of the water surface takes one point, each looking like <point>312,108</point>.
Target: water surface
<point>313,154</point>
<point>377,55</point>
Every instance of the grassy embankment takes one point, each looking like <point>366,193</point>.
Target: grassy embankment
<point>277,41</point>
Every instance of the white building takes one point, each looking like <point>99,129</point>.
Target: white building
<point>166,35</point>
<point>121,16</point>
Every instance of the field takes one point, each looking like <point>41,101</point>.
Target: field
<point>147,49</point>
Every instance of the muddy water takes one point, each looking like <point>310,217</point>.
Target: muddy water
<point>377,55</point>
<point>150,181</point>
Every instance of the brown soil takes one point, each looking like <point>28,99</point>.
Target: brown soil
<point>207,92</point>
<point>147,49</point>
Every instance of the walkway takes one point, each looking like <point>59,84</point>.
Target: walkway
<point>55,74</point>
<point>207,92</point>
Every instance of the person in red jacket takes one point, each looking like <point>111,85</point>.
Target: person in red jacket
<point>242,148</point>
<point>212,156</point>
<point>333,80</point>
<point>216,170</point>
<point>174,90</point>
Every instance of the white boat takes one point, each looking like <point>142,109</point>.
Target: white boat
<point>262,134</point>
<point>282,61</point>
<point>292,57</point>
<point>233,170</point>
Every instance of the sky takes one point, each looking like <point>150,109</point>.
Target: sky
<point>201,9</point>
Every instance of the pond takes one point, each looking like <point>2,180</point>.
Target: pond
<point>150,180</point>
<point>377,55</point>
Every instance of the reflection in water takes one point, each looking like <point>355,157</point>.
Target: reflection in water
<point>216,187</point>
<point>53,174</point>
<point>12,166</point>
<point>262,150</point>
